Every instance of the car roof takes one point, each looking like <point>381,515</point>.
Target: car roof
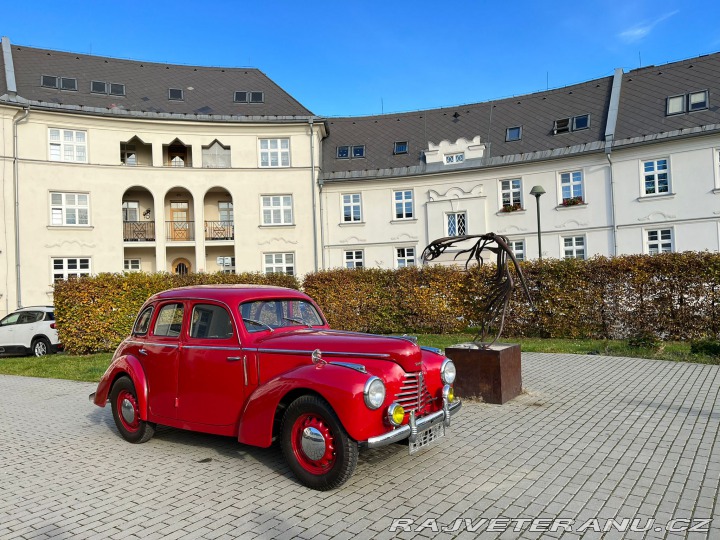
<point>229,293</point>
<point>35,308</point>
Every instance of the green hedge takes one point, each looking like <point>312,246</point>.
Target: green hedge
<point>96,313</point>
<point>674,296</point>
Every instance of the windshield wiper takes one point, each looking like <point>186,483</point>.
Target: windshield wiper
<point>297,321</point>
<point>258,323</point>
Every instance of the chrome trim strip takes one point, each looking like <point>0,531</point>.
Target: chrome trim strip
<point>244,361</point>
<point>165,345</point>
<point>422,424</point>
<point>356,367</point>
<point>212,347</point>
<point>431,349</point>
<point>325,353</point>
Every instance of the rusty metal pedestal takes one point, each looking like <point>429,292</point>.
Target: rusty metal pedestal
<point>493,374</point>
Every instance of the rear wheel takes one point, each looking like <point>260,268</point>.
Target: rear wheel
<point>315,444</point>
<point>126,412</point>
<point>40,346</point>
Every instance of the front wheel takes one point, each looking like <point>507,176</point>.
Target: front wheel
<point>126,412</point>
<point>315,444</point>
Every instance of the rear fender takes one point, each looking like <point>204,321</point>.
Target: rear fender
<point>340,386</point>
<point>124,365</point>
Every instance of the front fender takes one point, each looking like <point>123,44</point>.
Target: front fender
<point>340,386</point>
<point>124,365</point>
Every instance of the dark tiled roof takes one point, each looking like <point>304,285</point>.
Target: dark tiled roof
<point>3,83</point>
<point>645,91</point>
<point>536,114</point>
<point>147,84</point>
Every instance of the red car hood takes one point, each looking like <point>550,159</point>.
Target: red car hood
<point>348,345</point>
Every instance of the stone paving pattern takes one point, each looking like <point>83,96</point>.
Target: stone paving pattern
<point>592,437</point>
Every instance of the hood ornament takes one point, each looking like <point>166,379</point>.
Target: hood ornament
<point>317,358</point>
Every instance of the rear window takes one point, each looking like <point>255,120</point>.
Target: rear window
<point>143,322</point>
<point>49,316</point>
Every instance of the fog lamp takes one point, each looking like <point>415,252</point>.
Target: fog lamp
<point>396,414</point>
<point>449,393</point>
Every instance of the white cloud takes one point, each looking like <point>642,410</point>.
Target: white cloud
<point>641,30</point>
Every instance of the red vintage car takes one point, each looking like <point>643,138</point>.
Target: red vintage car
<point>261,364</point>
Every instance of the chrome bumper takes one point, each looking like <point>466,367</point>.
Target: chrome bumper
<point>91,397</point>
<point>411,430</point>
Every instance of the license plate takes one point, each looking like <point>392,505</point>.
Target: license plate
<point>424,438</point>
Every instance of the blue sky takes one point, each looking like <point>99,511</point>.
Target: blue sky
<point>357,58</point>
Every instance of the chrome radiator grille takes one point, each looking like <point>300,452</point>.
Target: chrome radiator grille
<point>413,394</point>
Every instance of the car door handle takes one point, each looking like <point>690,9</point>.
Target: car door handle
<point>143,352</point>
<point>234,358</point>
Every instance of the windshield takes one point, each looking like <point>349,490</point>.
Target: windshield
<point>271,314</point>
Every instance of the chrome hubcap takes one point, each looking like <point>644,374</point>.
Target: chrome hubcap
<point>128,411</point>
<point>313,443</point>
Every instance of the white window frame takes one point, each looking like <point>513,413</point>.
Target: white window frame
<point>348,202</point>
<point>655,174</point>
<point>61,212</point>
<point>128,207</point>
<point>518,248</point>
<point>455,215</point>
<point>575,184</point>
<point>354,258</point>
<point>404,199</point>
<point>659,240</point>
<point>132,265</point>
<point>274,153</point>
<point>269,211</point>
<point>82,267</point>
<point>279,263</point>
<point>451,159</point>
<point>67,145</point>
<point>577,246</point>
<point>405,257</point>
<point>511,193</point>
<point>512,130</point>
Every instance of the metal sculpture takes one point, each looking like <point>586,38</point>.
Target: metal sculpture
<point>501,286</point>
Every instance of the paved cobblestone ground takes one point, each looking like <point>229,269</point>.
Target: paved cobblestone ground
<point>593,437</point>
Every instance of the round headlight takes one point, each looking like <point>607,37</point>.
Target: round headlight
<point>396,414</point>
<point>374,393</point>
<point>447,371</point>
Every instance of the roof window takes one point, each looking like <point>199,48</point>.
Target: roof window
<point>351,152</point>
<point>49,81</point>
<point>175,94</point>
<point>573,123</point>
<point>68,83</point>
<point>401,147</point>
<point>513,133</point>
<point>692,101</point>
<point>249,97</point>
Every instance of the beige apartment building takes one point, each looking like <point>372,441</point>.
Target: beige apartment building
<point>118,166</point>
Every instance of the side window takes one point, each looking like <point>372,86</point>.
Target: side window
<point>143,322</point>
<point>210,322</point>
<point>10,319</point>
<point>28,317</point>
<point>49,316</point>
<point>169,321</point>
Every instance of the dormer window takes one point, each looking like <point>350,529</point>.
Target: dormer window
<point>454,158</point>
<point>98,87</point>
<point>63,83</point>
<point>581,122</point>
<point>175,94</point>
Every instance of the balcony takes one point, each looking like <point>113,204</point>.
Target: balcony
<point>139,231</point>
<point>180,231</point>
<point>219,230</point>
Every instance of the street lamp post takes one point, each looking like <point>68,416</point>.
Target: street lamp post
<point>536,191</point>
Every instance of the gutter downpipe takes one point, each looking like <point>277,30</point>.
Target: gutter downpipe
<point>16,183</point>
<point>613,110</point>
<point>312,185</point>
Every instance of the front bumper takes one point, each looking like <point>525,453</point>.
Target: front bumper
<point>410,430</point>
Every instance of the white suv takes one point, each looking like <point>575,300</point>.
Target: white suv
<point>29,329</point>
